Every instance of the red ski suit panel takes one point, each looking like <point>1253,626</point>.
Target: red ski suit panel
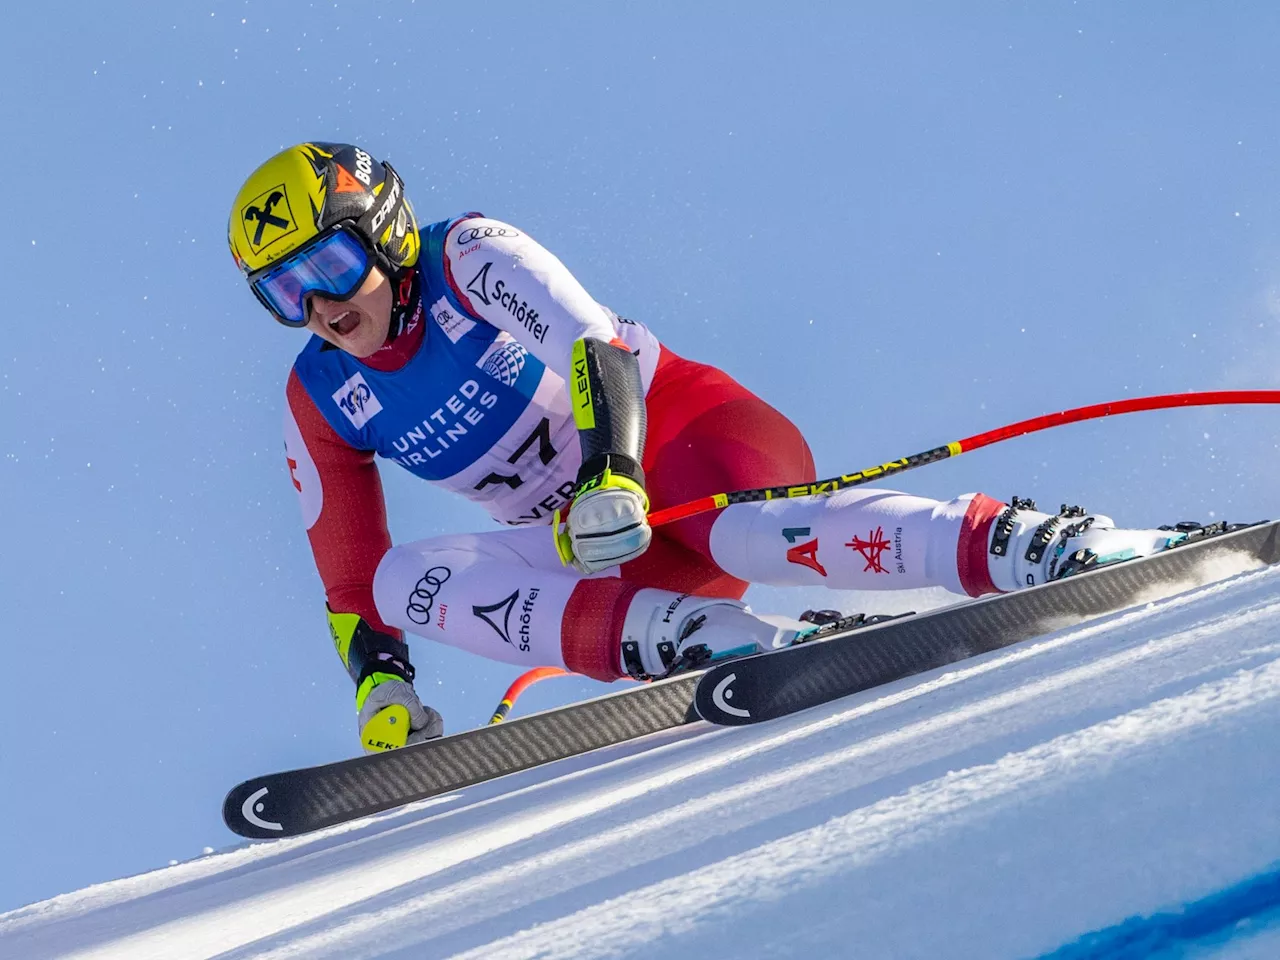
<point>708,434</point>
<point>350,536</point>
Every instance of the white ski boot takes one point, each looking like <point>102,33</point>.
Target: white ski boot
<point>1029,548</point>
<point>666,633</point>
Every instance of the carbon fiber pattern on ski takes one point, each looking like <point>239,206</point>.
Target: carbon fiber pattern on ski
<point>299,801</point>
<point>772,685</point>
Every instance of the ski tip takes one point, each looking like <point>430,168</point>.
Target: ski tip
<point>251,810</point>
<point>722,699</point>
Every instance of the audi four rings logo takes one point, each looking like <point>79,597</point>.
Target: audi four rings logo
<point>472,234</point>
<point>424,594</point>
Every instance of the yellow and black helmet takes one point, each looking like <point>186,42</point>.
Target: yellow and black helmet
<point>303,191</point>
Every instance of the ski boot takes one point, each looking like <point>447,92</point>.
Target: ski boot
<point>666,633</point>
<point>1029,548</point>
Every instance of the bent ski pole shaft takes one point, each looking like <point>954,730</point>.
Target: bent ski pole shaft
<point>957,447</point>
<point>523,683</point>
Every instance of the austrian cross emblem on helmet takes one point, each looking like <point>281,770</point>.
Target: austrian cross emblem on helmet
<point>267,217</point>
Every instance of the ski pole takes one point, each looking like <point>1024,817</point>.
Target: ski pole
<point>957,447</point>
<point>523,683</point>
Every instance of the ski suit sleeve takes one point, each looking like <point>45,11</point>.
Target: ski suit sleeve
<point>342,506</point>
<point>503,276</point>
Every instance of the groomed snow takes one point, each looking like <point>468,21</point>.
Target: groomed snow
<point>1008,806</point>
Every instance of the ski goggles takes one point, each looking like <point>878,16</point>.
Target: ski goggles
<point>333,265</point>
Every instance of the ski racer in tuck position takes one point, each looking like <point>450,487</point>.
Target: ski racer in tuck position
<point>467,353</point>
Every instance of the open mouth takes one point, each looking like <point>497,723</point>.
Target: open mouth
<point>345,323</point>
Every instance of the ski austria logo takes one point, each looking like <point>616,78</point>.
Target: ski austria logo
<point>505,363</point>
<point>872,550</point>
<point>357,401</point>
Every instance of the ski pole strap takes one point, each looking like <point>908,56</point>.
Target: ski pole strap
<point>364,650</point>
<point>955,448</point>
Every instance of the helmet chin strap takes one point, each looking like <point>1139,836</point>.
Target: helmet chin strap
<point>404,299</point>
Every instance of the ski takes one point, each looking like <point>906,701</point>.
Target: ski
<point>842,657</point>
<point>298,801</point>
<point>838,663</point>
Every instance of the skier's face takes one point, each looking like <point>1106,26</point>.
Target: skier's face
<point>357,326</point>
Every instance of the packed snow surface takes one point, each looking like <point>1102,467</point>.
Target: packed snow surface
<point>1024,803</point>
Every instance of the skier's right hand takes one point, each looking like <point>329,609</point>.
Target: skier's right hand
<point>392,716</point>
<point>606,525</point>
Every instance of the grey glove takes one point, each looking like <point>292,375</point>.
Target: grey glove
<point>392,716</point>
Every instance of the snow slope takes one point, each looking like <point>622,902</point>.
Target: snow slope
<point>1105,791</point>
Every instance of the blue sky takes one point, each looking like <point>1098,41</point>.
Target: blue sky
<point>900,224</point>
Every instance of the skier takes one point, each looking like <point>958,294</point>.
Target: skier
<point>468,354</point>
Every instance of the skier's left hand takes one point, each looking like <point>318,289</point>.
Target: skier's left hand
<point>606,524</point>
<point>390,715</point>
